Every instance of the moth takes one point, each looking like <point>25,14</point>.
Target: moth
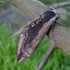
<point>35,31</point>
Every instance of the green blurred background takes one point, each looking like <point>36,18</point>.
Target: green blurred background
<point>10,21</point>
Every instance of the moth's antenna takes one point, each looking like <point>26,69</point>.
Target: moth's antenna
<point>19,31</point>
<point>53,9</point>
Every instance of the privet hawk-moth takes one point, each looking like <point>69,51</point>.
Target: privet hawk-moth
<point>33,35</point>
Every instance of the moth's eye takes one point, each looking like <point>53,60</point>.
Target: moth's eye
<point>41,18</point>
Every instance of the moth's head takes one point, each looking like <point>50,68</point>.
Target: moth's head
<point>46,16</point>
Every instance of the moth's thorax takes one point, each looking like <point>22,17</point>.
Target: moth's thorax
<point>46,16</point>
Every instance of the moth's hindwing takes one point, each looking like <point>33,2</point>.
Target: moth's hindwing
<point>21,40</point>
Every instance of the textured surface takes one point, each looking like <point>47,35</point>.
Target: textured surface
<point>62,38</point>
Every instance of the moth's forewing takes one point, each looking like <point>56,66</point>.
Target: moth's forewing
<point>27,42</point>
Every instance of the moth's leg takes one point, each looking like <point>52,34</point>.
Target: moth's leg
<point>59,23</point>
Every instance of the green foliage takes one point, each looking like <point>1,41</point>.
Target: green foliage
<point>3,4</point>
<point>48,2</point>
<point>58,61</point>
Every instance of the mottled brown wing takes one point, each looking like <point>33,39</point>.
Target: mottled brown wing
<point>29,40</point>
